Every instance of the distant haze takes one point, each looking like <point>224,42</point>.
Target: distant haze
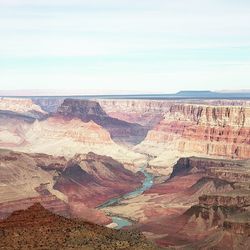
<point>105,46</point>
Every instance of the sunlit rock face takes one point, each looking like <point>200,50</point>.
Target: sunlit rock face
<point>24,108</point>
<point>204,203</point>
<point>68,187</point>
<point>49,104</point>
<point>61,136</point>
<point>145,112</point>
<point>201,130</point>
<point>62,133</point>
<point>91,179</point>
<point>86,110</point>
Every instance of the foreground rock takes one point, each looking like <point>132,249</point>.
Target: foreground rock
<point>37,228</point>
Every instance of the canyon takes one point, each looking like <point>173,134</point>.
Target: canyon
<point>73,155</point>
<point>69,187</point>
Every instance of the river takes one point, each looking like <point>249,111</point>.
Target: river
<point>147,184</point>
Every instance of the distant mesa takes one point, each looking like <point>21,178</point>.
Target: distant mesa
<point>88,110</point>
<point>195,93</point>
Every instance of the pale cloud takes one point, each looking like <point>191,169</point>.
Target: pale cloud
<point>125,42</point>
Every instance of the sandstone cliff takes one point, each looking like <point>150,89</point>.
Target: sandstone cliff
<point>199,130</point>
<point>198,207</point>
<point>69,187</point>
<point>23,108</point>
<point>60,136</point>
<point>87,110</point>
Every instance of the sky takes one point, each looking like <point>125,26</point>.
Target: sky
<point>106,46</point>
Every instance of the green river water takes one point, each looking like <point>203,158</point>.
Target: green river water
<point>147,184</point>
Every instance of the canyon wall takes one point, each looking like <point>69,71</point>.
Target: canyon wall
<point>196,208</point>
<point>69,187</point>
<point>23,108</point>
<point>199,130</point>
<point>77,126</point>
<point>88,110</point>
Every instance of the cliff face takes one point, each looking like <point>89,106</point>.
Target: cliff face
<point>86,110</point>
<point>150,112</point>
<point>60,136</point>
<point>200,130</point>
<point>84,175</point>
<point>201,206</point>
<point>22,108</point>
<point>37,228</point>
<point>69,187</point>
<point>144,112</point>
<point>49,104</point>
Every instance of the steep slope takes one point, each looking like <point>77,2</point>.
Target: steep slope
<point>49,104</point>
<point>86,110</point>
<point>199,130</point>
<point>148,113</point>
<point>63,137</point>
<point>84,175</point>
<point>72,188</point>
<point>192,209</point>
<point>37,228</point>
<point>23,108</point>
<point>21,174</point>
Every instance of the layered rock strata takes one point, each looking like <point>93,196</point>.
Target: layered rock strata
<point>69,187</point>
<point>86,110</point>
<point>199,130</point>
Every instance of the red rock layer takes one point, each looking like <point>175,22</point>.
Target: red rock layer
<point>204,130</point>
<point>93,179</point>
<point>73,187</point>
<point>198,208</point>
<point>87,110</point>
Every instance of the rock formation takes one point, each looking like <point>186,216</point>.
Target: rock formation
<point>200,205</point>
<point>38,228</point>
<point>86,110</point>
<point>69,187</point>
<point>60,136</point>
<point>23,108</point>
<point>199,130</point>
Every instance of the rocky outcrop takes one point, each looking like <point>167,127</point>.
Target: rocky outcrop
<point>49,104</point>
<point>199,130</point>
<point>50,202</point>
<point>21,108</point>
<point>60,136</point>
<point>22,174</point>
<point>148,113</point>
<point>84,175</point>
<point>38,228</point>
<point>86,110</point>
<point>212,167</point>
<point>70,187</point>
<point>239,201</point>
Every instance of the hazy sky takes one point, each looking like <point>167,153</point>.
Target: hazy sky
<point>142,45</point>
